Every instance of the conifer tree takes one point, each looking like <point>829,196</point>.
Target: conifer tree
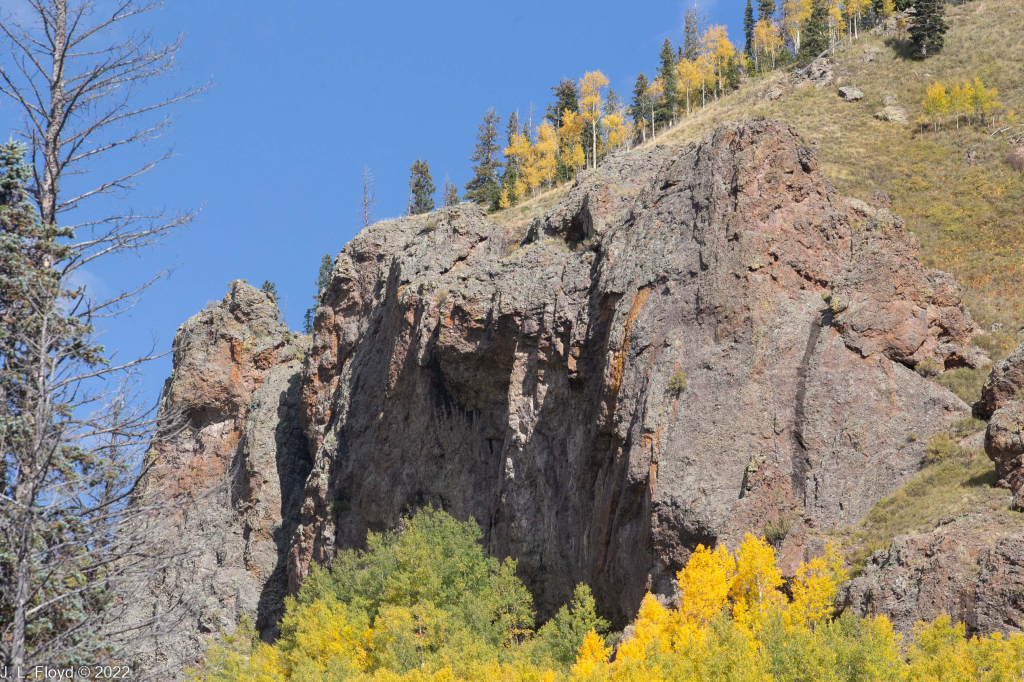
<point>567,98</point>
<point>691,35</point>
<point>748,30</point>
<point>640,104</point>
<point>323,279</point>
<point>421,189</point>
<point>928,31</point>
<point>667,74</point>
<point>270,289</point>
<point>510,176</point>
<point>766,9</point>
<point>484,188</point>
<point>815,36</point>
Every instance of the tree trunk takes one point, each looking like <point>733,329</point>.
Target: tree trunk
<point>49,187</point>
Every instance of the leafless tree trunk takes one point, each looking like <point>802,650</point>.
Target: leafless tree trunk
<point>368,200</point>
<point>77,538</point>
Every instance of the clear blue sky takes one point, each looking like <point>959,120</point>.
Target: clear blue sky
<point>309,91</point>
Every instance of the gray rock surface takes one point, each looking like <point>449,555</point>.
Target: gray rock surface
<point>968,568</point>
<point>242,460</point>
<point>851,94</point>
<point>526,383</point>
<point>892,113</point>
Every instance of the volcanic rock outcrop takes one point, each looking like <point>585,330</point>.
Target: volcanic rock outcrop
<point>242,460</point>
<point>1002,403</point>
<point>694,343</point>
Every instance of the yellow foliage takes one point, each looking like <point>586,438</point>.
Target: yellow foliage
<point>717,50</point>
<point>593,656</point>
<point>318,635</point>
<point>651,625</point>
<point>618,130</point>
<point>815,588</point>
<point>795,14</point>
<point>767,42</point>
<point>936,102</point>
<point>755,590</point>
<point>705,583</point>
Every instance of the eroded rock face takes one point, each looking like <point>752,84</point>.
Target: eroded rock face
<point>694,343</point>
<point>1002,404</point>
<point>242,460</point>
<point>967,568</point>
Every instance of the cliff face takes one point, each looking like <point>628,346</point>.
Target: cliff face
<point>242,459</point>
<point>693,344</point>
<point>539,387</point>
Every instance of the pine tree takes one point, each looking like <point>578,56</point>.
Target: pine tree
<point>638,108</point>
<point>484,188</point>
<point>928,31</point>
<point>748,30</point>
<point>323,279</point>
<point>691,35</point>
<point>270,289</point>
<point>612,103</point>
<point>667,73</point>
<point>421,189</point>
<point>510,176</point>
<point>815,38</point>
<point>567,97</point>
<point>766,9</point>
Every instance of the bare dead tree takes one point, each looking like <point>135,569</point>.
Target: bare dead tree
<point>78,540</point>
<point>368,199</point>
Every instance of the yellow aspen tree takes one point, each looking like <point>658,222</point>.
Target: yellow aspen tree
<point>888,8</point>
<point>795,14</point>
<point>687,81</point>
<point>755,590</point>
<point>767,42</point>
<point>855,12</point>
<point>705,583</point>
<point>962,101</point>
<point>985,100</point>
<point>655,91</point>
<point>591,103</point>
<point>593,656</point>
<point>836,23</point>
<point>618,130</point>
<point>719,49</point>
<point>570,149</point>
<point>521,150</point>
<point>650,626</point>
<point>546,150</point>
<point>936,103</point>
<point>814,589</point>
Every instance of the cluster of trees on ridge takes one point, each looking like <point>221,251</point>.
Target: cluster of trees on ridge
<point>426,604</point>
<point>587,120</point>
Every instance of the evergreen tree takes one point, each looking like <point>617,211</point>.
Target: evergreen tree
<point>567,97</point>
<point>766,9</point>
<point>323,279</point>
<point>815,36</point>
<point>691,35</point>
<point>510,176</point>
<point>748,29</point>
<point>421,189</point>
<point>484,188</point>
<point>928,30</point>
<point>639,106</point>
<point>667,72</point>
<point>612,102</point>
<point>270,289</point>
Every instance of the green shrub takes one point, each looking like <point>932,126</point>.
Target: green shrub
<point>678,383</point>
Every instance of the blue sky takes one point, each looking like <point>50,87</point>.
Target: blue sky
<point>308,91</point>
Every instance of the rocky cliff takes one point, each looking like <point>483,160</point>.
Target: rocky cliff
<point>695,343</point>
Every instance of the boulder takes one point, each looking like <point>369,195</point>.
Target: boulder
<point>892,114</point>
<point>851,94</point>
